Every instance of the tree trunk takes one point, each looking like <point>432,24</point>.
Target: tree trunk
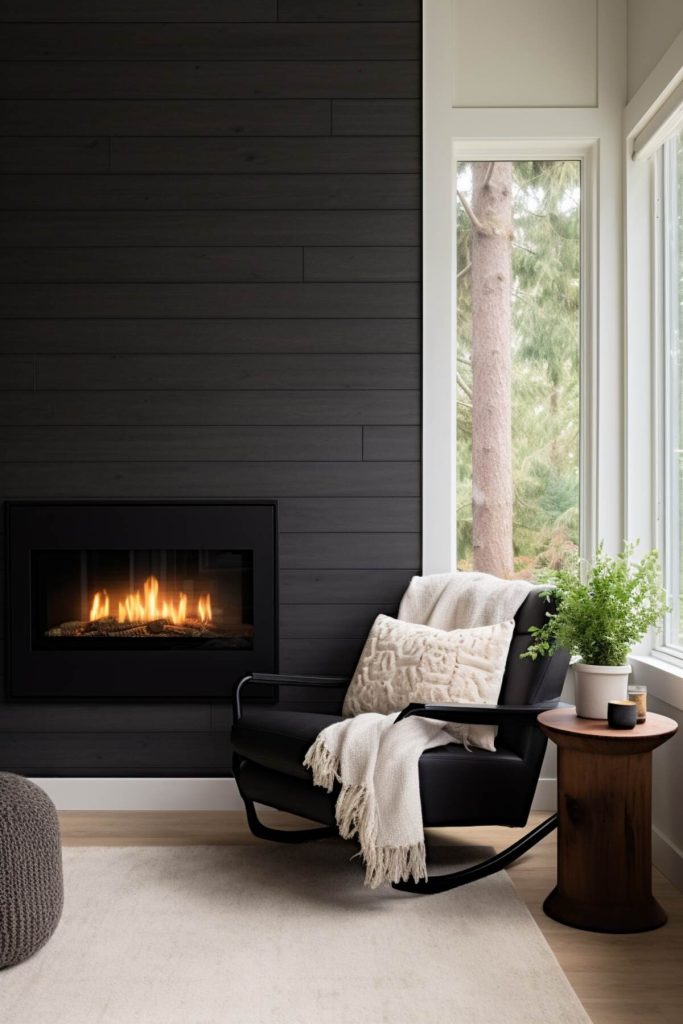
<point>491,283</point>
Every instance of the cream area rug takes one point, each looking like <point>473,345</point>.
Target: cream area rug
<point>280,935</point>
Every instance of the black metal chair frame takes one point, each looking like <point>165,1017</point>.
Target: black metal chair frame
<point>475,714</point>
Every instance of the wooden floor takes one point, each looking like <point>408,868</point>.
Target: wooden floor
<point>620,979</point>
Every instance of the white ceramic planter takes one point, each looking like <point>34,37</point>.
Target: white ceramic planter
<point>598,684</point>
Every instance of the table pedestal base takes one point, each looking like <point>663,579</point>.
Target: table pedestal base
<point>604,875</point>
<point>593,917</point>
<point>604,814</point>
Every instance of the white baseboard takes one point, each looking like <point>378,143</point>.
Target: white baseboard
<point>181,794</point>
<point>218,794</point>
<point>667,857</point>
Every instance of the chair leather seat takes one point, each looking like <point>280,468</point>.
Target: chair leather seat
<point>279,740</point>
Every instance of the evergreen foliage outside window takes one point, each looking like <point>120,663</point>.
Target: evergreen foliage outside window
<point>518,373</point>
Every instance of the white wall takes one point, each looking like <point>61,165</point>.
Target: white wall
<point>532,53</point>
<point>652,27</point>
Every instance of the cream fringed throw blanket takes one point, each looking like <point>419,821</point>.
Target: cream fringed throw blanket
<point>375,760</point>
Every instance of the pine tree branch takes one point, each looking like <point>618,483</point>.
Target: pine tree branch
<point>465,270</point>
<point>487,176</point>
<point>518,245</point>
<point>465,387</point>
<point>474,220</point>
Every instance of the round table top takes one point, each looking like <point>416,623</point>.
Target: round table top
<point>565,721</point>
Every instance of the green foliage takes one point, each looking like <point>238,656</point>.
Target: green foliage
<point>602,615</point>
<point>545,365</point>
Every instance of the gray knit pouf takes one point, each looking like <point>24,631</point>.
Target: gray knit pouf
<point>31,889</point>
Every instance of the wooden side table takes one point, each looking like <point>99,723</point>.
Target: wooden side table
<point>604,796</point>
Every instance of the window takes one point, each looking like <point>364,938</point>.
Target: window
<point>518,265</point>
<point>670,179</point>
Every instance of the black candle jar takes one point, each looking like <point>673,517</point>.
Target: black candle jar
<point>622,714</point>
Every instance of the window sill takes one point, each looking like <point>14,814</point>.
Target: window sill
<point>664,679</point>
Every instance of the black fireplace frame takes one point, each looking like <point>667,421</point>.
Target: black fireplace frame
<point>135,674</point>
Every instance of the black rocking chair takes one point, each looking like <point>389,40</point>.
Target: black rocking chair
<point>458,787</point>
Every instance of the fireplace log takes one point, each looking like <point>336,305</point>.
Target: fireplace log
<point>111,627</point>
<point>134,629</point>
<point>184,630</point>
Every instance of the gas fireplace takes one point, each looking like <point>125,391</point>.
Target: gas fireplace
<point>149,601</point>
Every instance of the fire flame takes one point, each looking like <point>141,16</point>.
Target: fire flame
<point>149,605</point>
<point>204,608</point>
<point>100,606</point>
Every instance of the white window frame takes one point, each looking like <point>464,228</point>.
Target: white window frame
<point>585,154</point>
<point>666,389</point>
<point>648,118</point>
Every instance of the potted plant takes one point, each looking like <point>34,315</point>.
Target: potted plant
<point>601,610</point>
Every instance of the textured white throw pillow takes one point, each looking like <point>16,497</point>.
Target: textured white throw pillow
<point>403,662</point>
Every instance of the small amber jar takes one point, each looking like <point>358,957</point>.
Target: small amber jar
<point>638,694</point>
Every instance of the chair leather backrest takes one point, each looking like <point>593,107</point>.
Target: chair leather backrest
<point>526,681</point>
<point>530,682</point>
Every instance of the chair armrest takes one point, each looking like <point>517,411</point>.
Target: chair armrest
<point>479,714</point>
<point>323,682</point>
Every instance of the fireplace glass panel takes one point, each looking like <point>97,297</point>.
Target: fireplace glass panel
<point>153,598</point>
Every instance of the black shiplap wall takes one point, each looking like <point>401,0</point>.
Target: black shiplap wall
<point>210,289</point>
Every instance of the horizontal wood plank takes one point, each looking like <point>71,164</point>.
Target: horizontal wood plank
<point>16,374</point>
<point>174,443</point>
<point>326,621</point>
<point>210,192</point>
<point>343,10</point>
<point>188,155</point>
<point>309,408</point>
<point>170,480</point>
<point>356,586</point>
<point>213,300</point>
<point>209,80</point>
<point>180,335</point>
<point>320,657</point>
<point>58,156</point>
<point>345,515</point>
<point>376,117</point>
<point>165,117</point>
<point>349,550</point>
<point>152,264</point>
<point>278,372</point>
<point>197,41</point>
<point>46,753</point>
<point>239,227</point>
<point>36,11</point>
<point>111,718</point>
<point>391,442</point>
<point>362,263</point>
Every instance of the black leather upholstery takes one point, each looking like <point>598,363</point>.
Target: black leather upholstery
<point>457,786</point>
<point>279,739</point>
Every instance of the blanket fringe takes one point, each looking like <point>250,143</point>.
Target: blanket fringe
<point>356,818</point>
<point>394,864</point>
<point>323,764</point>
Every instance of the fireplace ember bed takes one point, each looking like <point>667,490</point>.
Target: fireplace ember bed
<point>151,601</point>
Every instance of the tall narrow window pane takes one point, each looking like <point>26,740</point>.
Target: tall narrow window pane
<point>518,344</point>
<point>672,181</point>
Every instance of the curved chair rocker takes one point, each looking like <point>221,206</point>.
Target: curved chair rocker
<point>458,787</point>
